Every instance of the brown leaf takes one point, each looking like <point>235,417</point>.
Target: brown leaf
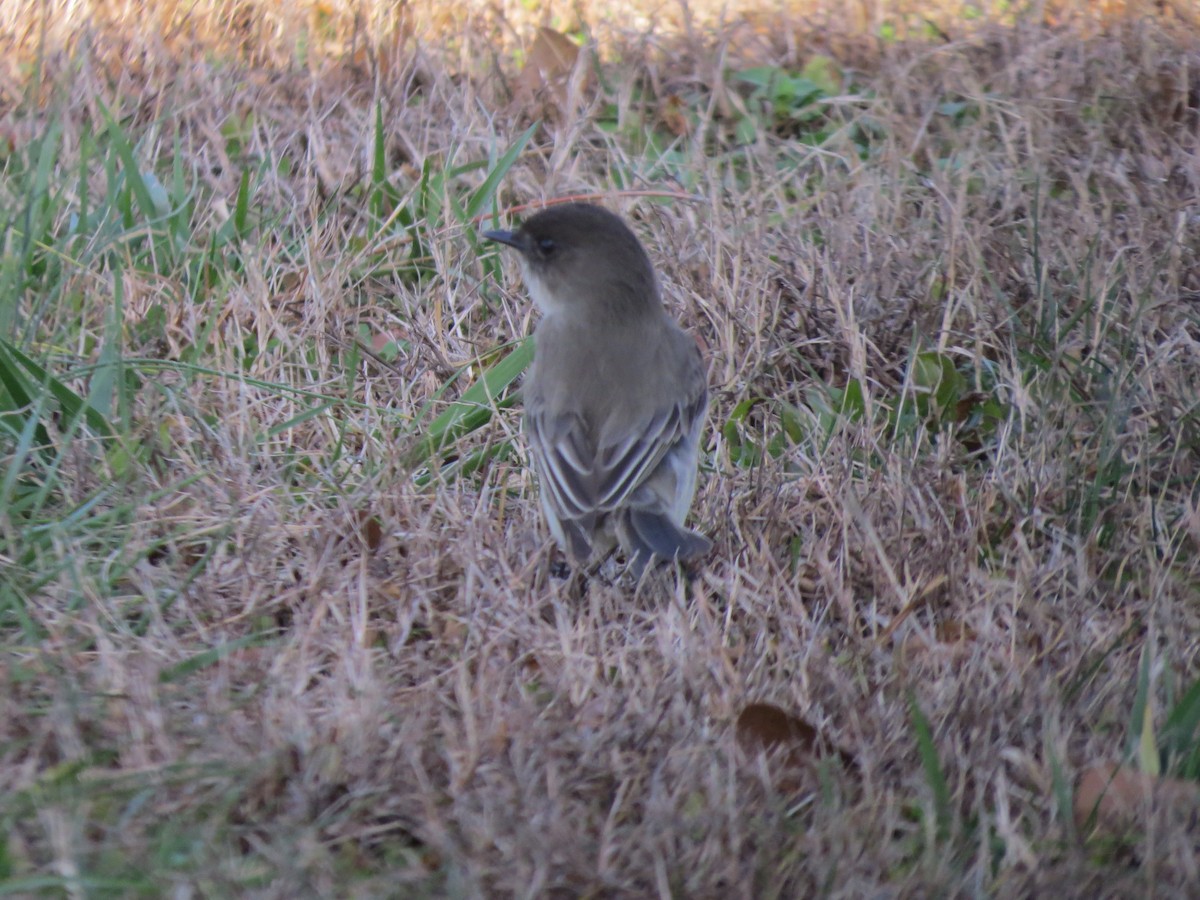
<point>763,728</point>
<point>290,282</point>
<point>549,63</point>
<point>672,112</point>
<point>967,405</point>
<point>381,339</point>
<point>1110,798</point>
<point>955,631</point>
<point>552,55</point>
<point>371,529</point>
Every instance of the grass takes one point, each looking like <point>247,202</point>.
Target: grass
<point>277,610</point>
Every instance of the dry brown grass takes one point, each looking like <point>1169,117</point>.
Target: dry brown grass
<point>426,710</point>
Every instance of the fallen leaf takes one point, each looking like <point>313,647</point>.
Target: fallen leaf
<point>371,529</point>
<point>672,112</point>
<point>552,75</point>
<point>954,631</point>
<point>1110,798</point>
<point>763,728</point>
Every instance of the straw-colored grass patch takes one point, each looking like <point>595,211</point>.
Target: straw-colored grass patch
<point>278,613</point>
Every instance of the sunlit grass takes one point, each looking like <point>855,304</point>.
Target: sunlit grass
<point>277,611</point>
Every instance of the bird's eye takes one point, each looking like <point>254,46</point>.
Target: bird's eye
<point>546,246</point>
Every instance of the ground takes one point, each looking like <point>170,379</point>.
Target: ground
<point>279,617</point>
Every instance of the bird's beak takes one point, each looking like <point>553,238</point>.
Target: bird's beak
<point>514,239</point>
<point>504,237</point>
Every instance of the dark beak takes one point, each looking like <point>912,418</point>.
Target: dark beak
<point>505,237</point>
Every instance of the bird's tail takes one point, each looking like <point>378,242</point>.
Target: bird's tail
<point>647,533</point>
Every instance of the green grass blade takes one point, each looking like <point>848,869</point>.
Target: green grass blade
<point>1180,736</point>
<point>21,410</point>
<point>486,191</point>
<point>474,409</point>
<point>70,402</point>
<point>133,172</point>
<point>212,655</point>
<point>932,766</point>
<point>1141,701</point>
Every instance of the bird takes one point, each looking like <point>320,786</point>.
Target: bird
<point>616,396</point>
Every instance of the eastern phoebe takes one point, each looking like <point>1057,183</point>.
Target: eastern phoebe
<point>616,396</point>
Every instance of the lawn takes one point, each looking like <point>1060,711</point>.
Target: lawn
<point>278,613</point>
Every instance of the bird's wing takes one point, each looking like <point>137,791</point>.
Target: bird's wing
<point>584,475</point>
<point>625,461</point>
<point>564,459</point>
<point>629,459</point>
<point>582,480</point>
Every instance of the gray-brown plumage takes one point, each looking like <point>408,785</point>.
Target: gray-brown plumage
<point>616,398</point>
